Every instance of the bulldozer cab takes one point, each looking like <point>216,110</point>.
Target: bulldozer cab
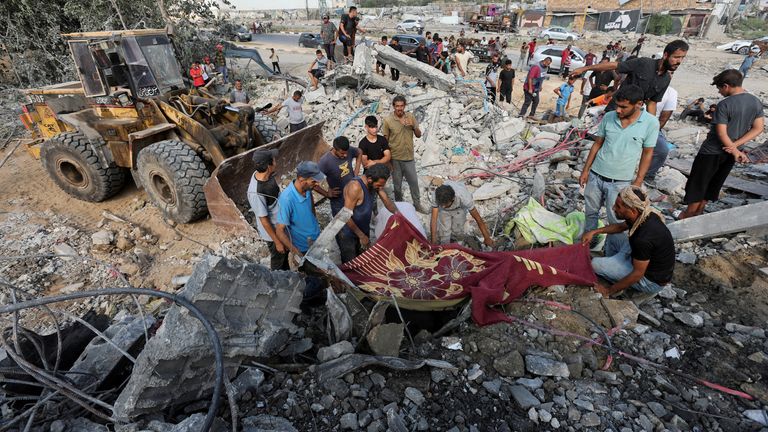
<point>141,62</point>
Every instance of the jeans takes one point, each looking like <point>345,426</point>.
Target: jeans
<point>660,153</point>
<point>330,49</point>
<point>744,71</point>
<point>408,169</point>
<point>615,267</point>
<point>560,108</point>
<point>531,100</point>
<point>349,246</point>
<point>223,71</point>
<point>597,193</point>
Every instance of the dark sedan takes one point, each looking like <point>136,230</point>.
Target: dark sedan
<point>310,40</point>
<point>409,41</point>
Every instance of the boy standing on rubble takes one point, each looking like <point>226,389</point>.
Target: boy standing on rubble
<point>506,82</point>
<point>374,148</point>
<point>624,138</point>
<point>737,120</point>
<point>263,192</point>
<point>449,215</point>
<point>646,259</point>
<point>399,129</point>
<point>564,93</point>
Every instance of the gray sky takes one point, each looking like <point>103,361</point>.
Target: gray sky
<point>273,4</point>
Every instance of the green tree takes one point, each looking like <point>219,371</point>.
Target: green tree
<point>659,24</point>
<point>30,30</point>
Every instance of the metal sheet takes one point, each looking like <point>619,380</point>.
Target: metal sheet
<point>226,191</point>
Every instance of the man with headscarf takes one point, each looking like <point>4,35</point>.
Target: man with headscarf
<point>646,259</point>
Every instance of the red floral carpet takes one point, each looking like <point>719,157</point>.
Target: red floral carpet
<point>404,264</point>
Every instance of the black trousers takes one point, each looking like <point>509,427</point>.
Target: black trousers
<point>277,260</point>
<point>349,246</point>
<point>506,94</point>
<point>330,51</point>
<point>276,67</point>
<point>395,73</point>
<point>491,94</point>
<point>530,100</point>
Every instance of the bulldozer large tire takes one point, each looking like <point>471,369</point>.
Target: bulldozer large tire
<point>72,163</point>
<point>173,176</point>
<point>266,128</point>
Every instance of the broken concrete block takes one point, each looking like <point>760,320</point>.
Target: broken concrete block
<point>555,128</point>
<point>102,238</point>
<point>491,190</point>
<point>538,365</point>
<point>682,133</point>
<point>544,140</point>
<point>719,223</point>
<point>334,351</point>
<point>671,181</point>
<point>250,380</point>
<point>99,359</point>
<point>507,130</point>
<point>64,249</point>
<point>624,313</point>
<point>267,423</point>
<point>250,307</point>
<point>689,319</point>
<point>413,67</point>
<point>385,339</point>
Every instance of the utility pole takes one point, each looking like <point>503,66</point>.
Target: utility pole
<point>306,5</point>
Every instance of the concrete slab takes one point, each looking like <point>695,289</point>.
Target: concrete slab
<point>719,223</point>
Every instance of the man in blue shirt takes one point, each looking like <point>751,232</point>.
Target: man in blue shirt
<point>297,224</point>
<point>624,138</point>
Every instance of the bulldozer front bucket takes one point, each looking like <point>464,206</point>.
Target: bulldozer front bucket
<point>226,191</point>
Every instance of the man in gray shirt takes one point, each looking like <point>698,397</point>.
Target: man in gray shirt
<point>329,33</point>
<point>263,192</point>
<point>293,104</point>
<point>738,120</point>
<point>238,94</point>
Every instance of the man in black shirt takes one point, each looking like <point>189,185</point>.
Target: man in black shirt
<point>602,80</point>
<point>645,262</point>
<point>652,76</point>
<point>506,82</point>
<point>374,147</point>
<point>348,28</point>
<point>395,45</point>
<point>738,119</point>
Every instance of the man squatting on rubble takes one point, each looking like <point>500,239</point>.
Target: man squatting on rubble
<point>737,120</point>
<point>399,129</point>
<point>624,137</point>
<point>651,76</point>
<point>452,203</point>
<point>646,259</point>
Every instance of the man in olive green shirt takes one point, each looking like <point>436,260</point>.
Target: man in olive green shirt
<point>399,129</point>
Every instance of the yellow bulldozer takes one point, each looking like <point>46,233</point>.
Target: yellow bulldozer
<point>133,112</point>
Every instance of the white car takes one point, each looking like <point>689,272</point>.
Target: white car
<point>742,46</point>
<point>558,33</point>
<point>555,52</point>
<point>410,26</point>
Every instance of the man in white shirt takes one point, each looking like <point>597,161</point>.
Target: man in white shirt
<point>296,121</point>
<point>664,111</point>
<point>462,57</point>
<point>586,88</point>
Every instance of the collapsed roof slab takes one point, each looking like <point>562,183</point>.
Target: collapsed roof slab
<point>413,67</point>
<point>720,223</point>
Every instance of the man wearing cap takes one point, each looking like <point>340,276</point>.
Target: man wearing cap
<point>263,193</point>
<point>646,259</point>
<point>297,224</point>
<point>329,33</point>
<point>359,197</point>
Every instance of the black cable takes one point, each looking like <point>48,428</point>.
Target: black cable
<point>215,342</point>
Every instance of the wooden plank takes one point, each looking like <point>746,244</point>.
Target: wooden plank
<point>720,223</point>
<point>753,187</point>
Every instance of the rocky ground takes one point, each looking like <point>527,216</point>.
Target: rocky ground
<point>549,369</point>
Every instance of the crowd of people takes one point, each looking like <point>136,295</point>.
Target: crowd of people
<point>629,149</point>
<point>356,177</point>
